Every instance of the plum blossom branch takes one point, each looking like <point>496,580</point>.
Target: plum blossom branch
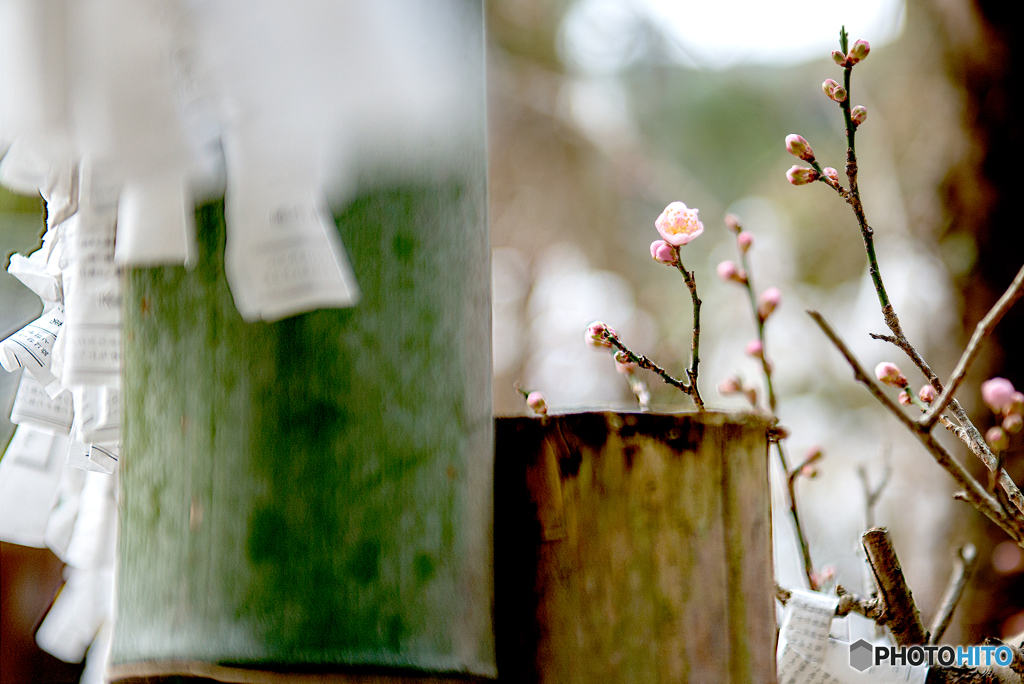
<point>962,567</point>
<point>600,335</point>
<point>972,490</point>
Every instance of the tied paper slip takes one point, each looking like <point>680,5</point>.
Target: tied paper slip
<point>33,406</point>
<point>31,348</point>
<point>97,414</point>
<point>92,290</point>
<point>284,256</point>
<point>807,655</point>
<point>156,223</point>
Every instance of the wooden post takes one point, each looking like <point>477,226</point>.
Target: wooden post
<point>314,494</point>
<point>634,548</point>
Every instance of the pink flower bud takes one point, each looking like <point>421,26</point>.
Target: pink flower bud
<point>889,374</point>
<point>768,302</point>
<point>623,364</point>
<point>1013,423</point>
<point>751,395</point>
<point>732,222</point>
<point>597,333</point>
<point>809,471</point>
<point>858,114</point>
<point>664,253</point>
<point>727,271</point>
<point>831,173</point>
<point>997,394</point>
<point>535,400</point>
<point>744,240</point>
<point>801,175</point>
<point>798,147</point>
<point>839,58</point>
<point>731,385</point>
<point>858,52</point>
<point>927,394</point>
<point>814,455</point>
<point>997,439</point>
<point>678,224</point>
<point>755,349</point>
<point>1016,404</point>
<point>834,90</point>
<point>904,398</point>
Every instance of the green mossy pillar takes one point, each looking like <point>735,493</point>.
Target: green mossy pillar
<point>314,494</point>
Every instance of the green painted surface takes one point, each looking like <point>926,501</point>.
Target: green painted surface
<point>314,490</point>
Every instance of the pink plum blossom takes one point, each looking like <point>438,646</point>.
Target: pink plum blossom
<point>678,224</point>
<point>927,394</point>
<point>755,349</point>
<point>904,398</point>
<point>728,270</point>
<point>744,240</point>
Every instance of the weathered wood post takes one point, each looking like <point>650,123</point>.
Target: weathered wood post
<point>634,548</point>
<point>314,494</point>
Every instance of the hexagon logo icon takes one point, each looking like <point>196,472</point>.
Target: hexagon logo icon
<point>861,653</point>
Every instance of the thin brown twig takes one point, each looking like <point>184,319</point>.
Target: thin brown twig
<point>691,372</point>
<point>962,567</point>
<point>973,491</point>
<point>873,494</point>
<point>794,513</point>
<point>646,363</point>
<point>981,331</point>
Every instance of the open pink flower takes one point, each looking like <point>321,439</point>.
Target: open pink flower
<point>678,224</point>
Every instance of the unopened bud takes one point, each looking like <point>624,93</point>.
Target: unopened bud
<point>535,400</point>
<point>768,302</point>
<point>831,173</point>
<point>755,349</point>
<point>732,222</point>
<point>727,271</point>
<point>597,333</point>
<point>751,395</point>
<point>664,253</point>
<point>904,398</point>
<point>858,114</point>
<point>1013,423</point>
<point>801,175</point>
<point>833,90</point>
<point>623,364</point>
<point>809,471</point>
<point>731,385</point>
<point>798,147</point>
<point>997,393</point>
<point>1016,405</point>
<point>814,455</point>
<point>744,240</point>
<point>889,374</point>
<point>997,438</point>
<point>927,394</point>
<point>858,52</point>
<point>839,58</point>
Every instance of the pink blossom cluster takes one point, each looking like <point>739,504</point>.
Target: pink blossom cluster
<point>1007,403</point>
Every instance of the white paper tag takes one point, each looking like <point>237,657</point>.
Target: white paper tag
<point>283,255</point>
<point>30,348</point>
<point>97,414</point>
<point>807,655</point>
<point>156,223</point>
<point>33,406</point>
<point>40,271</point>
<point>29,473</point>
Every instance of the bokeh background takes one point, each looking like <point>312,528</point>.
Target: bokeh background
<point>603,111</point>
